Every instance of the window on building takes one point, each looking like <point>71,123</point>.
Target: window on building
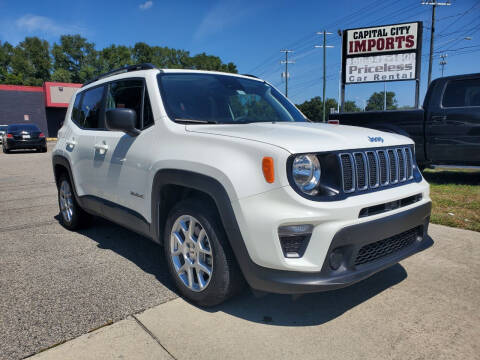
<point>90,108</point>
<point>461,93</point>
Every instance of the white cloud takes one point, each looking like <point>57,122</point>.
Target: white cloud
<point>146,5</point>
<point>42,25</point>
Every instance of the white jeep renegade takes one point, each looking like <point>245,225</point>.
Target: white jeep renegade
<point>236,184</point>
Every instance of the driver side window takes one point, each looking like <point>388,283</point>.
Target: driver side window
<point>129,94</point>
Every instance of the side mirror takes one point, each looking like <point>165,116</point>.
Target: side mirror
<point>122,120</point>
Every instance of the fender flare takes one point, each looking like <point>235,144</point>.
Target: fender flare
<point>217,192</point>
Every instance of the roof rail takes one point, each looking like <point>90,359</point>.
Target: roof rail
<point>249,75</point>
<point>128,68</point>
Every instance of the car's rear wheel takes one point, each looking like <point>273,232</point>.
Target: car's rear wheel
<point>43,149</point>
<point>198,254</point>
<point>72,215</point>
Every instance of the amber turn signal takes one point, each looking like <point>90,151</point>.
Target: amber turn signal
<point>268,169</point>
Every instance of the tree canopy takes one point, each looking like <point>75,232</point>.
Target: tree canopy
<point>313,108</point>
<point>75,59</point>
<point>375,102</point>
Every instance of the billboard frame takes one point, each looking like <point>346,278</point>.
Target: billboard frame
<point>417,51</point>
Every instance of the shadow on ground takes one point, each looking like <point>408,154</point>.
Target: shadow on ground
<point>468,177</point>
<point>272,309</point>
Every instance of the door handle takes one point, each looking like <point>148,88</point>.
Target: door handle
<point>439,118</point>
<point>102,148</point>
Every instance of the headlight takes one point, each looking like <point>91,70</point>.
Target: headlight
<point>306,173</point>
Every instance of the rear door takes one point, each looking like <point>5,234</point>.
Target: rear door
<point>454,127</point>
<point>80,138</point>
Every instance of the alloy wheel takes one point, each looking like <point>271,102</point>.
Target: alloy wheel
<point>191,253</point>
<point>66,201</point>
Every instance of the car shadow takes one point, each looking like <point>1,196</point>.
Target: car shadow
<point>272,309</point>
<point>22,151</point>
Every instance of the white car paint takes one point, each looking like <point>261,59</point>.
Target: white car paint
<point>231,154</point>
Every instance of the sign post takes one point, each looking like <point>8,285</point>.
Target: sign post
<point>382,53</point>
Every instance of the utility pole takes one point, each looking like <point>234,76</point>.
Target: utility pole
<point>443,62</point>
<point>286,62</point>
<point>324,46</point>
<point>433,4</point>
<point>384,95</point>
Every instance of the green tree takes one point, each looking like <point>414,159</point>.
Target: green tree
<point>77,56</point>
<point>210,62</point>
<point>30,63</point>
<point>113,57</point>
<point>6,53</point>
<point>375,102</point>
<point>313,108</point>
<point>350,106</point>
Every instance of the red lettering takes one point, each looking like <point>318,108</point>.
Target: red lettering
<point>371,44</point>
<point>380,44</point>
<point>360,45</point>
<point>410,41</point>
<point>389,44</point>
<point>399,40</point>
<point>350,47</point>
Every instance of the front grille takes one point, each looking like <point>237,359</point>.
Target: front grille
<point>363,170</point>
<point>379,249</point>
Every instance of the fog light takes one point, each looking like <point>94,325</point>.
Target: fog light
<point>336,258</point>
<point>294,239</point>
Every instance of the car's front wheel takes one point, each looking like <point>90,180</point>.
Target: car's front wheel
<point>72,215</point>
<point>198,254</point>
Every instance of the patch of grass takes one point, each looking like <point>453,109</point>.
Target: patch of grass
<point>456,197</point>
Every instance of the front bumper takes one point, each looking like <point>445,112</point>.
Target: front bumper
<point>25,144</point>
<point>350,239</point>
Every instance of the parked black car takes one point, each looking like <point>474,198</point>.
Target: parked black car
<point>3,130</point>
<point>24,136</point>
<point>447,129</point>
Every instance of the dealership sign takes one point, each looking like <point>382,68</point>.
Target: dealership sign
<point>382,53</point>
<point>381,68</point>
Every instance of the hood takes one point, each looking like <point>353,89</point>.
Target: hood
<point>299,137</point>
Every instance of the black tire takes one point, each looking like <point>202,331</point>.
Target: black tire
<point>79,218</point>
<point>43,149</point>
<point>226,278</point>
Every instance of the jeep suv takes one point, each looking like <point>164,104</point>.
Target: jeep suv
<point>236,184</point>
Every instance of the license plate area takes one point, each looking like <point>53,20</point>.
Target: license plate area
<point>26,136</point>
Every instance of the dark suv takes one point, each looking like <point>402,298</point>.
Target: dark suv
<point>24,136</point>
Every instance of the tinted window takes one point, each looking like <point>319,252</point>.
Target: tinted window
<point>224,99</point>
<point>147,111</point>
<point>462,93</point>
<point>128,94</point>
<point>23,127</point>
<point>90,108</point>
<point>76,113</point>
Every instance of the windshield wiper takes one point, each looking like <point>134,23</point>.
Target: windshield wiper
<point>194,121</point>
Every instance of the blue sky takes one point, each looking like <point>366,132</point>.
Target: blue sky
<point>252,33</point>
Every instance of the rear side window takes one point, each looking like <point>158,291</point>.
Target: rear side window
<point>88,113</point>
<point>129,94</point>
<point>461,93</point>
<point>76,109</point>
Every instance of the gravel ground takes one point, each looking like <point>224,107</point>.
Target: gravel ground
<point>56,284</point>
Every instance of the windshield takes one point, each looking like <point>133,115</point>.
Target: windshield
<point>3,128</point>
<point>223,99</point>
<point>22,127</point>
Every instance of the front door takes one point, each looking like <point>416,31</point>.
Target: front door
<point>121,161</point>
